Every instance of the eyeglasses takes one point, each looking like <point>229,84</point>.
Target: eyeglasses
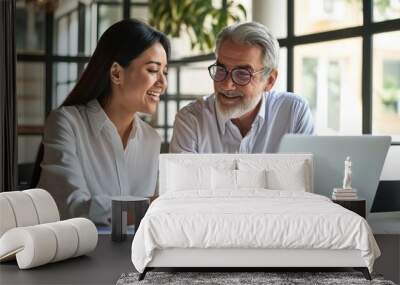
<point>240,76</point>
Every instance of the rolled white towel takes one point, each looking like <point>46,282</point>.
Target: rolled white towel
<point>26,208</point>
<point>66,238</point>
<point>46,207</point>
<point>87,235</point>
<point>32,246</point>
<point>40,244</point>
<point>23,208</point>
<point>7,218</point>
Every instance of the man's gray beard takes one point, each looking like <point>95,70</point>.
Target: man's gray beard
<point>236,111</point>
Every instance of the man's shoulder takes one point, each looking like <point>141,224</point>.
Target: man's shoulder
<point>198,107</point>
<point>286,98</point>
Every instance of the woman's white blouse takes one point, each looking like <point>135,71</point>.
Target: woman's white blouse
<point>84,160</point>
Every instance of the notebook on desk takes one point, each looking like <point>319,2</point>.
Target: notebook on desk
<point>367,154</point>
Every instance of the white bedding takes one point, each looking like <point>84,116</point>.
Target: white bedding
<point>251,218</point>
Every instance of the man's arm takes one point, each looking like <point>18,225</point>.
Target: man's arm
<point>184,138</point>
<point>305,123</point>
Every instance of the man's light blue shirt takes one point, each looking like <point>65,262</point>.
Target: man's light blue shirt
<point>199,129</point>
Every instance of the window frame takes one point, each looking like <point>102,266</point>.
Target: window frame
<point>366,31</point>
<point>50,58</point>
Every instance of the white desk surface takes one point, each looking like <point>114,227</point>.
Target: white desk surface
<point>387,223</point>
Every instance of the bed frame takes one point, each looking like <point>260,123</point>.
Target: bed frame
<point>242,259</point>
<point>249,258</point>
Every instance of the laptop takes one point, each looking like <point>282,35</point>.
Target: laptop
<point>367,154</point>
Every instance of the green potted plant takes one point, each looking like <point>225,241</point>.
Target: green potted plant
<point>200,19</point>
<point>390,98</point>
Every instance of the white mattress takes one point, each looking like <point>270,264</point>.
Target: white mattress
<point>252,218</point>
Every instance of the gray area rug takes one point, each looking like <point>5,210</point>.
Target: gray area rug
<point>269,278</point>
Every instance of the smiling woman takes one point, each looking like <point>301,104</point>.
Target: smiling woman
<point>95,144</point>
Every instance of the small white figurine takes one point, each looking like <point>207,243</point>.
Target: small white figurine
<point>347,174</point>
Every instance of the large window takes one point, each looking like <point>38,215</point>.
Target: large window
<point>53,47</point>
<point>343,56</point>
<point>30,108</point>
<point>328,75</point>
<point>312,16</point>
<point>186,82</point>
<point>386,84</point>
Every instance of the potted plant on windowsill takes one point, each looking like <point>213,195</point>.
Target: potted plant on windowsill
<point>199,19</point>
<point>390,98</point>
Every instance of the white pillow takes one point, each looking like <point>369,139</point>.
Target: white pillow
<point>251,178</point>
<point>223,179</point>
<point>291,178</point>
<point>182,177</point>
<point>282,173</point>
<point>236,179</point>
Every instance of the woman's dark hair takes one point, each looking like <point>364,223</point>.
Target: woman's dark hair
<point>121,43</point>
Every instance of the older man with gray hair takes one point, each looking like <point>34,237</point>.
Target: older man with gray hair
<point>243,115</point>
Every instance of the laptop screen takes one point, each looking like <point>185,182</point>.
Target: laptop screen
<point>367,154</point>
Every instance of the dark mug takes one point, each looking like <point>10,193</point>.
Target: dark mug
<point>122,206</point>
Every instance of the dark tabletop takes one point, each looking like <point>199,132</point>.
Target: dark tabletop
<point>104,265</point>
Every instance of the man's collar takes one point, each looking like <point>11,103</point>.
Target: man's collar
<point>261,111</point>
<point>223,121</point>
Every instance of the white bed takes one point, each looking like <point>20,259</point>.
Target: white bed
<point>235,210</point>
